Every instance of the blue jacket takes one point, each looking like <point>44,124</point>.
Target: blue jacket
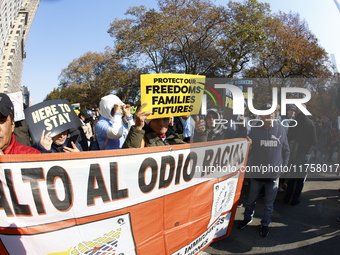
<point>111,130</point>
<point>101,133</point>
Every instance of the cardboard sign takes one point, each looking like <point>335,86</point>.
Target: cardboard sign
<point>155,200</point>
<point>54,116</point>
<point>170,95</point>
<point>17,101</point>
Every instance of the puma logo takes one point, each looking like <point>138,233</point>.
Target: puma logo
<point>278,139</point>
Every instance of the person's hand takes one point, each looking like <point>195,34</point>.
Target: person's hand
<point>171,121</point>
<point>1,152</point>
<point>46,140</point>
<point>117,108</point>
<point>199,125</point>
<point>73,149</point>
<point>126,110</point>
<point>141,117</point>
<point>249,140</point>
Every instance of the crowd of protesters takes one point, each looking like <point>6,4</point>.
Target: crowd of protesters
<point>115,127</point>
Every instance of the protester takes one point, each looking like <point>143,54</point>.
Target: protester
<point>110,127</point>
<point>184,126</point>
<point>188,128</point>
<point>303,138</point>
<point>95,119</point>
<point>242,127</point>
<point>156,132</point>
<point>317,124</point>
<point>277,113</point>
<point>322,131</point>
<point>84,132</point>
<point>86,116</point>
<point>288,122</point>
<point>21,131</point>
<point>215,129</point>
<point>333,140</point>
<point>269,148</point>
<point>8,144</point>
<point>81,137</point>
<point>290,115</point>
<point>86,119</point>
<point>57,143</point>
<point>95,113</point>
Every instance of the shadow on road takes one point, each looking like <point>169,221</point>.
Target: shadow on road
<point>307,228</point>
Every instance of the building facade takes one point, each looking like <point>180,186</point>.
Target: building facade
<point>15,21</point>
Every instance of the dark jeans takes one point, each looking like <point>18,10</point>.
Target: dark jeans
<point>331,152</point>
<point>271,188</point>
<point>295,183</point>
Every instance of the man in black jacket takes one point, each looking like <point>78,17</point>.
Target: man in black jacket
<point>302,138</point>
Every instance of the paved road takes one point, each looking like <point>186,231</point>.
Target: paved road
<point>307,228</point>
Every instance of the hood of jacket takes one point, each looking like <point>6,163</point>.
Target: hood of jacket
<point>218,127</point>
<point>106,105</point>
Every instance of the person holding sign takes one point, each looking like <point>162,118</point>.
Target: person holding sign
<point>58,143</point>
<point>156,132</point>
<point>8,144</point>
<point>111,127</point>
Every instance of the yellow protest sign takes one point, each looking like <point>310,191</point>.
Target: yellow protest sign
<point>170,95</point>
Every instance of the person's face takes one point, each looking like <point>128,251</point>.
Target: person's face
<point>60,138</point>
<point>160,125</point>
<point>290,113</point>
<point>211,116</point>
<point>6,130</point>
<point>267,118</point>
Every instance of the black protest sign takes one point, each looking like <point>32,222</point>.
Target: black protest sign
<point>53,116</point>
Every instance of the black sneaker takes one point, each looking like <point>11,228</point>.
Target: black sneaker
<point>264,231</point>
<point>243,224</point>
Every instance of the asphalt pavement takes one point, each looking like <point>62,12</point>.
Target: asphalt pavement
<point>309,228</point>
